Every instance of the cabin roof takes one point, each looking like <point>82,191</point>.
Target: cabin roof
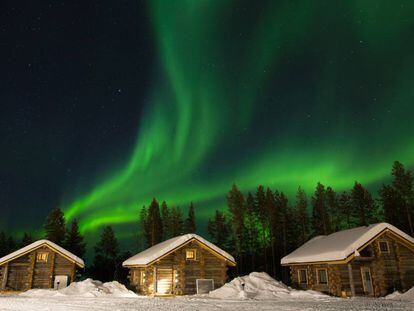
<point>38,244</point>
<point>339,245</point>
<point>161,249</point>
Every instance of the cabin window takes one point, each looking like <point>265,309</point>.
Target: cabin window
<point>303,276</point>
<point>42,257</point>
<point>190,254</point>
<point>322,276</point>
<point>383,246</point>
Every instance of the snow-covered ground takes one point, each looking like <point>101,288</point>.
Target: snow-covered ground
<point>257,291</point>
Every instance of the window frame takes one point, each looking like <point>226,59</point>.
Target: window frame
<point>386,243</point>
<point>42,257</point>
<point>300,278</point>
<point>194,254</point>
<point>318,280</point>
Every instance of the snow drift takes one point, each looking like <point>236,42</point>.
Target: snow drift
<point>86,288</point>
<point>407,296</point>
<point>260,286</point>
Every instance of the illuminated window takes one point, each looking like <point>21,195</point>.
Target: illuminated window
<point>322,276</point>
<point>383,246</point>
<point>42,257</point>
<point>303,276</point>
<point>190,254</point>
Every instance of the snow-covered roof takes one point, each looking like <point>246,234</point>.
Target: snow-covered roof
<point>159,250</point>
<point>339,245</point>
<point>38,244</point>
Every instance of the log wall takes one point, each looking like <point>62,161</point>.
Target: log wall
<point>185,272</point>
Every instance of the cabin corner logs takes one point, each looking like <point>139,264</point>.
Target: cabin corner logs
<point>176,274</point>
<point>374,273</point>
<point>36,268</point>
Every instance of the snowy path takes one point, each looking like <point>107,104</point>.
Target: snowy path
<point>20,303</point>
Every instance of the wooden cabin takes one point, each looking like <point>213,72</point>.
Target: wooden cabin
<point>183,265</point>
<point>372,261</point>
<point>42,264</point>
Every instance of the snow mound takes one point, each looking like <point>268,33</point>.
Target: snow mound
<point>260,286</point>
<point>407,296</point>
<point>86,288</point>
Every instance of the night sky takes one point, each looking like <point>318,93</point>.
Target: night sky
<point>107,104</point>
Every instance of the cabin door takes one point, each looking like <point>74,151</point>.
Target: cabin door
<point>367,281</point>
<point>164,283</point>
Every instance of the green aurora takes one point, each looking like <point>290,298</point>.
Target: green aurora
<point>286,94</point>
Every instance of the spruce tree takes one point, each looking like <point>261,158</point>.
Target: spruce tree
<point>154,223</point>
<point>403,184</point>
<point>263,218</point>
<point>4,249</point>
<point>302,216</point>
<point>219,230</point>
<point>320,217</point>
<point>26,240</point>
<point>345,209</point>
<point>105,265</point>
<point>252,232</point>
<point>166,221</point>
<point>55,227</point>
<point>190,222</point>
<point>176,222</point>
<point>363,205</point>
<point>74,241</point>
<point>332,209</point>
<point>145,234</point>
<point>393,206</point>
<point>275,226</point>
<point>236,206</point>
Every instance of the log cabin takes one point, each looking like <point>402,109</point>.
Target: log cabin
<point>42,264</point>
<point>371,260</point>
<point>183,265</point>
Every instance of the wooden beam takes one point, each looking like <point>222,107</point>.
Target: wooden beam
<point>72,276</point>
<point>5,275</point>
<point>52,269</point>
<point>155,280</point>
<point>31,269</point>
<point>351,279</point>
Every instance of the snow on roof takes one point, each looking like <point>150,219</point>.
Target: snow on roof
<point>160,249</point>
<point>339,245</point>
<point>38,244</point>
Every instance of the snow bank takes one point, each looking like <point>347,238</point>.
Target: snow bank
<point>86,288</point>
<point>407,296</point>
<point>260,286</point>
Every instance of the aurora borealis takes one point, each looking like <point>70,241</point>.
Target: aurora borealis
<point>280,93</point>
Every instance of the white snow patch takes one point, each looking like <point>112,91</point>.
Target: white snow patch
<point>260,286</point>
<point>86,288</point>
<point>407,296</point>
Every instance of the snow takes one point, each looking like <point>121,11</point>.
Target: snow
<point>407,296</point>
<point>260,286</point>
<point>153,253</point>
<point>39,244</point>
<point>339,245</point>
<point>86,288</point>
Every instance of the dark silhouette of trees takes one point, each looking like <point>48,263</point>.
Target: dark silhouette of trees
<point>190,222</point>
<point>55,230</point>
<point>74,241</point>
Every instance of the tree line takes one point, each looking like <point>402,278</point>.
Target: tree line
<point>258,227</point>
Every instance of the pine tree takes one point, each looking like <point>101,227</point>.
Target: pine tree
<point>302,216</point>
<point>252,232</point>
<point>55,226</point>
<point>26,240</point>
<point>74,241</point>
<point>154,223</point>
<point>218,229</point>
<point>145,234</point>
<point>176,224</point>
<point>363,205</point>
<point>403,184</point>
<point>166,221</point>
<point>275,225</point>
<point>393,205</point>
<point>332,209</point>
<point>263,218</point>
<point>320,217</point>
<point>236,205</point>
<point>345,209</point>
<point>190,223</point>
<point>105,266</point>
